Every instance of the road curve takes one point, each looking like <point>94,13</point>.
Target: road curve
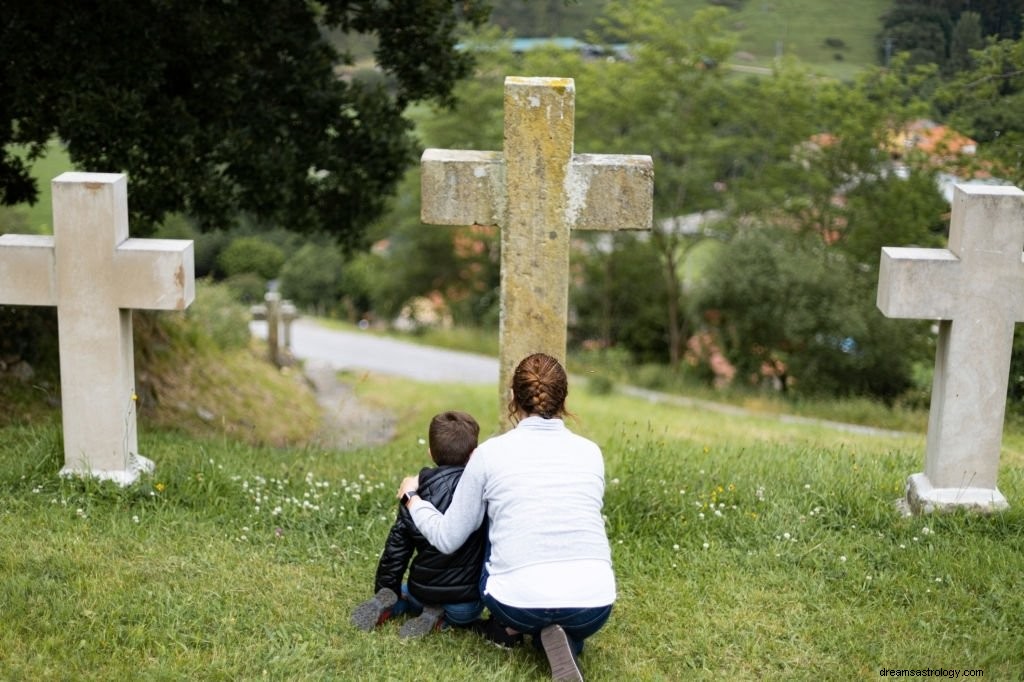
<point>358,350</point>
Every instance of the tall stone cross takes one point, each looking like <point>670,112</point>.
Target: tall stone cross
<point>537,190</point>
<point>95,275</point>
<point>975,288</point>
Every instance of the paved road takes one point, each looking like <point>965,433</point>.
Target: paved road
<point>338,349</point>
<point>366,351</point>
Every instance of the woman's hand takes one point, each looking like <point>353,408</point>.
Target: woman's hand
<point>409,483</point>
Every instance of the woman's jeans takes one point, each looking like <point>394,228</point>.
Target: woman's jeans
<point>578,623</point>
<point>461,614</point>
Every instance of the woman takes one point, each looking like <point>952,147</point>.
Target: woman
<point>549,571</point>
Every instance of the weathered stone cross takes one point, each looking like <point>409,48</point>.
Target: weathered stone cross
<point>95,275</point>
<point>537,190</point>
<point>975,288</point>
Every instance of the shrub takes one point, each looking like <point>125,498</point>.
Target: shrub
<point>246,287</point>
<point>218,317</point>
<point>251,254</point>
<point>835,43</point>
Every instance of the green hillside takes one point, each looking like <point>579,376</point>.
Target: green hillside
<point>766,27</point>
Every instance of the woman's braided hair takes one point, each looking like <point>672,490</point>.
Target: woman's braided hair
<point>539,387</point>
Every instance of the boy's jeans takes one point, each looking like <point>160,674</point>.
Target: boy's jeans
<point>461,614</point>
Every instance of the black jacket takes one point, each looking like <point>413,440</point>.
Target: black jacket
<point>434,578</point>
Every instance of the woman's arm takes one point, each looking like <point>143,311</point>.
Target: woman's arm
<point>447,532</point>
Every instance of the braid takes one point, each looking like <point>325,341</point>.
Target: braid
<point>539,387</point>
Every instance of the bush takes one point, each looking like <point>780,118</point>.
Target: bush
<point>215,320</point>
<point>835,43</point>
<point>600,384</point>
<point>247,287</point>
<point>208,247</point>
<point>312,277</point>
<point>251,254</point>
<point>217,316</point>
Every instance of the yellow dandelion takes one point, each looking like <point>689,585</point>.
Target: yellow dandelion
<point>159,487</point>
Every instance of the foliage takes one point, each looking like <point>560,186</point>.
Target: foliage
<point>30,334</point>
<point>919,29</point>
<point>619,298</point>
<point>985,103</point>
<point>312,277</point>
<point>943,32</point>
<point>251,254</point>
<point>218,108</point>
<point>793,310</point>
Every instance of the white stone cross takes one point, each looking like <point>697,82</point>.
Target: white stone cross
<point>537,190</point>
<point>975,288</point>
<point>95,275</point>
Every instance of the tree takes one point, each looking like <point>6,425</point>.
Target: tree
<point>619,297</point>
<point>215,108</point>
<point>986,103</point>
<point>312,277</point>
<point>966,38</point>
<point>251,255</point>
<point>918,28</point>
<point>793,310</point>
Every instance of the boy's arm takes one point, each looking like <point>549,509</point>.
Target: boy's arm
<point>398,550</point>
<point>464,515</point>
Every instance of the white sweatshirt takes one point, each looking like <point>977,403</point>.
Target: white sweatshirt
<point>542,488</point>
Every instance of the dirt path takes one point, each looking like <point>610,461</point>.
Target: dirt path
<point>348,424</point>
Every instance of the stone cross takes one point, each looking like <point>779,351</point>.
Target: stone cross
<point>95,275</point>
<point>975,288</point>
<point>537,190</point>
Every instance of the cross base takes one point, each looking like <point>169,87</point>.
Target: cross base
<point>137,465</point>
<point>923,498</point>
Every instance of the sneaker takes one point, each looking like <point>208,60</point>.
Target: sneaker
<point>373,612</point>
<point>560,655</point>
<point>431,619</point>
<point>495,633</point>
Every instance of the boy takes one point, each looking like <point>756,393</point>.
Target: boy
<point>442,588</point>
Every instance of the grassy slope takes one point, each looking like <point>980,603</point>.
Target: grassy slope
<point>801,27</point>
<point>237,562</point>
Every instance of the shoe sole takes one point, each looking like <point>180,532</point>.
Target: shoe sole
<point>560,656</point>
<point>422,624</point>
<point>374,611</point>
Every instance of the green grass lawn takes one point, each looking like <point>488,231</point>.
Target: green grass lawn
<point>744,549</point>
<point>800,27</point>
<point>38,218</point>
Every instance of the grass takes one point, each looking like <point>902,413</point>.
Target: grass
<point>744,549</point>
<point>38,218</point>
<point>800,28</point>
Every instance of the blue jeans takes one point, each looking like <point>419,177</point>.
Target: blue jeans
<point>461,614</point>
<point>578,622</point>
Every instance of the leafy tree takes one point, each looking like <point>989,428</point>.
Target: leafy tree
<point>966,38</point>
<point>1000,18</point>
<point>619,297</point>
<point>215,108</point>
<point>891,211</point>
<point>986,103</point>
<point>793,309</point>
<point>312,277</point>
<point>918,28</point>
<point>251,254</point>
